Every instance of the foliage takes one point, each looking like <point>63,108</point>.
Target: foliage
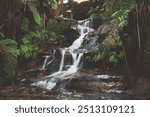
<point>1,35</point>
<point>25,21</point>
<point>27,49</point>
<point>53,3</point>
<point>111,49</point>
<point>8,61</point>
<point>58,25</point>
<point>55,28</point>
<point>11,46</point>
<point>25,25</point>
<point>119,9</point>
<point>35,13</point>
<point>120,15</point>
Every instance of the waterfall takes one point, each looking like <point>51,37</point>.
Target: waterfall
<point>50,81</point>
<point>63,51</point>
<point>45,62</point>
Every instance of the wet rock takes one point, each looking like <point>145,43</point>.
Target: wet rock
<point>54,66</point>
<point>103,30</point>
<point>70,35</point>
<point>96,84</point>
<point>90,42</point>
<point>80,10</point>
<point>33,73</point>
<point>25,92</point>
<point>93,39</point>
<point>97,22</point>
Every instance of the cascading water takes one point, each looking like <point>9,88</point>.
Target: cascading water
<point>50,81</point>
<point>45,62</point>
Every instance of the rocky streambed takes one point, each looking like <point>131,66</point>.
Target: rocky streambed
<point>84,85</point>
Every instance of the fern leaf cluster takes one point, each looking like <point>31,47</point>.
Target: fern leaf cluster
<point>8,60</point>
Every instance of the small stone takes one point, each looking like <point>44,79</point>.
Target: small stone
<point>44,92</point>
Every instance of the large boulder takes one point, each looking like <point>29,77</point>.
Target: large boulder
<point>99,34</point>
<point>103,30</point>
<point>80,10</point>
<point>70,35</point>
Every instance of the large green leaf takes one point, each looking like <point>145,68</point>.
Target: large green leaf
<point>35,13</point>
<point>8,42</point>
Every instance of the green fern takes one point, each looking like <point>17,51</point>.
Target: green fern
<point>8,42</point>
<point>28,37</point>
<point>25,25</point>
<point>11,46</point>
<point>58,25</point>
<point>28,49</point>
<point>9,52</point>
<point>53,3</point>
<point>35,13</point>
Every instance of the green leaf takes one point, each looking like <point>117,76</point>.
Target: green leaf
<point>97,57</point>
<point>53,4</point>
<point>113,58</point>
<point>2,35</point>
<point>24,49</point>
<point>8,42</point>
<point>35,13</point>
<point>25,40</point>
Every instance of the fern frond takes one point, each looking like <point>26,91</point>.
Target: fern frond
<point>27,38</point>
<point>35,13</point>
<point>8,42</point>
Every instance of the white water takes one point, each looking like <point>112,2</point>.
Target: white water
<point>45,62</point>
<point>50,81</point>
<point>62,59</point>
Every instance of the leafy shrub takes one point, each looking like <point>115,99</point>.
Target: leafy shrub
<point>111,49</point>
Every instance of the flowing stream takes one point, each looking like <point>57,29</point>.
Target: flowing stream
<point>67,71</point>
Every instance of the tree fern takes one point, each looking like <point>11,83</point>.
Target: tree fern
<point>9,52</point>
<point>11,47</point>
